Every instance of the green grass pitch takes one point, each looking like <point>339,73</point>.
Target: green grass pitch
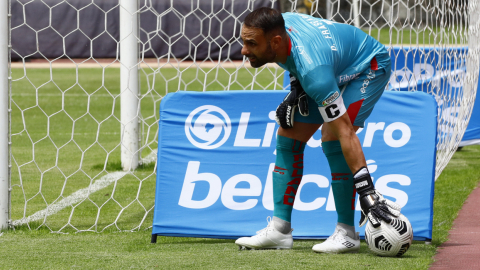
<point>66,134</point>
<point>77,116</point>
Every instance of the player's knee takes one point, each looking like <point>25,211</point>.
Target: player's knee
<point>328,134</point>
<point>345,131</point>
<point>300,131</point>
<point>326,137</point>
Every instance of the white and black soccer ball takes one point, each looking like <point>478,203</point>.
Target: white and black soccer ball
<point>392,239</point>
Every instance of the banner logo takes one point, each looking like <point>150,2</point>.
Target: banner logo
<point>208,127</point>
<point>423,73</point>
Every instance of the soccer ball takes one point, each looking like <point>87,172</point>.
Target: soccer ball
<point>392,239</point>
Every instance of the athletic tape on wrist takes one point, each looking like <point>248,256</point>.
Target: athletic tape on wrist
<point>363,183</point>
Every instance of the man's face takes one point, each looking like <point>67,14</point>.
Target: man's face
<point>256,46</point>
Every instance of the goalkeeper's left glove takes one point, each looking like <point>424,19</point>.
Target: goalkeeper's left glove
<point>297,97</point>
<point>374,206</point>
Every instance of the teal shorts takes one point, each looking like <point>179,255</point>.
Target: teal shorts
<point>359,97</point>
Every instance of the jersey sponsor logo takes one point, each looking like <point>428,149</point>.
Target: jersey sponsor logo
<point>301,50</point>
<point>366,82</point>
<point>347,78</point>
<point>291,29</point>
<point>208,127</point>
<point>330,99</point>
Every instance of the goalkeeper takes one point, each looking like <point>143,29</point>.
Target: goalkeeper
<point>338,73</point>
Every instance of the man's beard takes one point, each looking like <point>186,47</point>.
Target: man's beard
<point>267,57</point>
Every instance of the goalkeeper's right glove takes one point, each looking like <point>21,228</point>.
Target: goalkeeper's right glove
<point>297,97</point>
<point>374,207</point>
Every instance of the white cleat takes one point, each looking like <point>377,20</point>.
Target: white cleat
<point>339,242</point>
<point>268,238</point>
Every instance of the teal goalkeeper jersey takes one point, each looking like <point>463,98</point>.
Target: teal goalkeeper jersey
<point>326,54</point>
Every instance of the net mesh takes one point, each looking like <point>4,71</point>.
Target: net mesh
<point>66,174</point>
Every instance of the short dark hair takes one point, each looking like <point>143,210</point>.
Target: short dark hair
<point>268,19</point>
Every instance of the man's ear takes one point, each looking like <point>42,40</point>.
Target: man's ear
<point>276,41</point>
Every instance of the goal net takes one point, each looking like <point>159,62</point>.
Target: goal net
<point>87,78</point>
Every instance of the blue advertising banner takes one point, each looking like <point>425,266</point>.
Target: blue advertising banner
<point>421,68</point>
<point>428,69</point>
<point>472,134</point>
<point>216,151</point>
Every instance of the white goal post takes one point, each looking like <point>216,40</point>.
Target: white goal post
<point>129,83</point>
<point>4,117</point>
<point>81,84</point>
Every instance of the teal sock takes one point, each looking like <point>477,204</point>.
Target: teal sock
<point>287,176</point>
<point>342,182</point>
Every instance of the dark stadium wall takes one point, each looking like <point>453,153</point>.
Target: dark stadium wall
<point>82,29</point>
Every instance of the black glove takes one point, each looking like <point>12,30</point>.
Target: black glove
<point>374,206</point>
<point>286,109</point>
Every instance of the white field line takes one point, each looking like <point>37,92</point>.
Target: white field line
<point>72,199</point>
<point>81,194</point>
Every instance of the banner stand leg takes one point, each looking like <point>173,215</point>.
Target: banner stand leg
<point>154,239</point>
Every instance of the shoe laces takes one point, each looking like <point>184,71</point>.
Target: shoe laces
<point>265,230</point>
<point>337,236</point>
